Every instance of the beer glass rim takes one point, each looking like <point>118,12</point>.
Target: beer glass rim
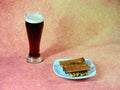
<point>34,17</point>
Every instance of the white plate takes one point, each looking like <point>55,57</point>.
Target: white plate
<point>59,71</point>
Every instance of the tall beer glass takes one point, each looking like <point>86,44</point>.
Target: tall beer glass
<point>34,22</point>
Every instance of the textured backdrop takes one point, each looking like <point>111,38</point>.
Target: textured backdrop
<point>79,28</point>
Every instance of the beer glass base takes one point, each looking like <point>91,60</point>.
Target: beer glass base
<point>34,60</point>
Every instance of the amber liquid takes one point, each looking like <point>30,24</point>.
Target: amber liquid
<point>34,32</point>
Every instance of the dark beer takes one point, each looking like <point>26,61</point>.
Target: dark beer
<point>34,25</point>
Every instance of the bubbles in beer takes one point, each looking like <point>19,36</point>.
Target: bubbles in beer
<point>34,18</point>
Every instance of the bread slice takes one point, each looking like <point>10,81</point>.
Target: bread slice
<point>73,61</point>
<point>76,67</point>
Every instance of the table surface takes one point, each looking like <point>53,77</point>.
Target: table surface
<point>92,30</point>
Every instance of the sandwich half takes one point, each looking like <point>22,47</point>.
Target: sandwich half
<point>75,67</point>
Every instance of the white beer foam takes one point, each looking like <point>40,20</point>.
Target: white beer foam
<point>34,18</point>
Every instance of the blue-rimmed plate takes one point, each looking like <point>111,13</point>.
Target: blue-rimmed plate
<point>59,71</point>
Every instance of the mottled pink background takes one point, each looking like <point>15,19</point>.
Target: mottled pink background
<point>79,28</point>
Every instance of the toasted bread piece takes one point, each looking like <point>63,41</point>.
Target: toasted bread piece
<point>76,67</point>
<point>72,61</point>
